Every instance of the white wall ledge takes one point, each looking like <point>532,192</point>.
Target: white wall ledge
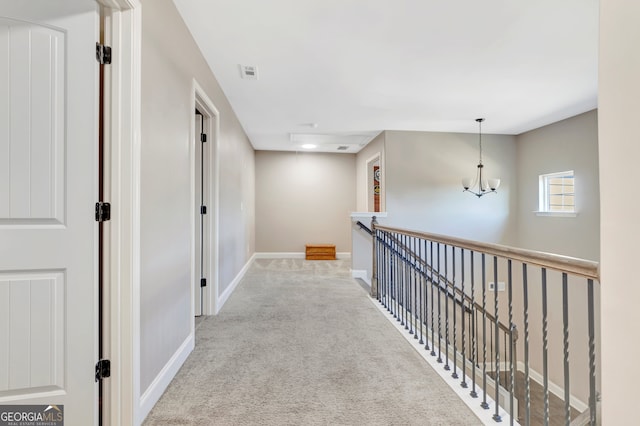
<point>368,214</point>
<point>556,214</point>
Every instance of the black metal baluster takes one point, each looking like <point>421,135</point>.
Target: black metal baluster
<point>455,322</point>
<point>426,298</point>
<point>592,353</point>
<point>545,348</point>
<point>512,365</point>
<point>422,301</point>
<point>565,345</point>
<point>496,415</point>
<point>484,404</point>
<point>474,327</point>
<point>446,308</point>
<point>527,377</point>
<point>433,340</point>
<point>394,275</point>
<point>401,277</point>
<point>416,315</point>
<point>439,307</point>
<point>463,314</point>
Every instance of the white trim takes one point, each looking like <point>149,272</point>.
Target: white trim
<point>576,403</point>
<point>164,378</point>
<point>556,214</point>
<point>361,274</point>
<point>368,214</point>
<point>294,255</point>
<point>222,299</point>
<point>281,255</point>
<point>123,29</point>
<point>200,99</point>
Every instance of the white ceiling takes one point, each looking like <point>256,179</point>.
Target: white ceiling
<point>357,67</point>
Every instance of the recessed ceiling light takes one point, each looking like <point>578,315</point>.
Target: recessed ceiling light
<point>308,146</point>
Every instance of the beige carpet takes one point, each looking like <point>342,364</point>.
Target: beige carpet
<point>298,343</point>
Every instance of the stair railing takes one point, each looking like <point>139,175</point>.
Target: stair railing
<point>457,298</point>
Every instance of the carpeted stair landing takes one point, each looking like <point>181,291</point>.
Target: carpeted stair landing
<point>299,343</point>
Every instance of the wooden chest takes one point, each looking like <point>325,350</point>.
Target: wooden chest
<point>320,252</point>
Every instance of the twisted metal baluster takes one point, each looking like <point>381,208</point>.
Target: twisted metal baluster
<point>545,347</point>
<point>433,341</point>
<point>426,299</point>
<point>455,335</point>
<point>512,366</point>
<point>474,328</point>
<point>446,308</point>
<point>565,341</point>
<point>414,277</point>
<point>421,341</point>
<point>462,317</point>
<point>592,354</point>
<point>484,404</point>
<point>527,377</point>
<point>439,308</point>
<point>496,415</point>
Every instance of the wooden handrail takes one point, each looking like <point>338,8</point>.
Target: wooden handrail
<point>581,267</point>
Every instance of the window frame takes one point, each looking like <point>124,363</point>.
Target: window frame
<point>544,195</point>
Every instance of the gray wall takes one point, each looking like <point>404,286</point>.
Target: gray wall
<point>304,198</point>
<point>170,62</point>
<point>571,144</point>
<point>423,174</point>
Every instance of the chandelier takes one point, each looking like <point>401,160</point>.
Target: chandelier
<point>480,185</point>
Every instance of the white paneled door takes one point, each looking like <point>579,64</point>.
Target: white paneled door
<point>48,189</point>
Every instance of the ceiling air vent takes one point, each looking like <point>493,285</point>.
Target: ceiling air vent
<point>343,148</point>
<point>249,72</point>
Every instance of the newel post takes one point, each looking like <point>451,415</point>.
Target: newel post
<point>374,271</point>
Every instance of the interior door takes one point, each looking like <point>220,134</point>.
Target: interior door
<point>48,189</point>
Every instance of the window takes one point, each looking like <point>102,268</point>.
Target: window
<point>557,193</point>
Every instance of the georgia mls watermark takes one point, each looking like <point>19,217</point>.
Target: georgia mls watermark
<point>31,415</point>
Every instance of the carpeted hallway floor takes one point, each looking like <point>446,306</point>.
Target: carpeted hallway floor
<point>299,343</point>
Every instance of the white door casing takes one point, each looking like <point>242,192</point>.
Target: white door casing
<point>48,188</point>
<point>201,246</point>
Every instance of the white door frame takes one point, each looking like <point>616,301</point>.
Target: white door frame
<point>123,29</point>
<point>201,101</point>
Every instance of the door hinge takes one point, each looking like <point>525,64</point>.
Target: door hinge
<point>203,282</point>
<point>103,211</point>
<point>203,209</point>
<point>203,137</point>
<point>103,369</point>
<point>103,54</point>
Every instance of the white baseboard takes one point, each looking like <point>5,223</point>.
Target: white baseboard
<point>155,390</point>
<point>294,255</point>
<point>222,299</point>
<point>558,391</point>
<point>279,255</point>
<point>362,274</point>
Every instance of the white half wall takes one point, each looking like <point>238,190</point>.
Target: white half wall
<point>619,147</point>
